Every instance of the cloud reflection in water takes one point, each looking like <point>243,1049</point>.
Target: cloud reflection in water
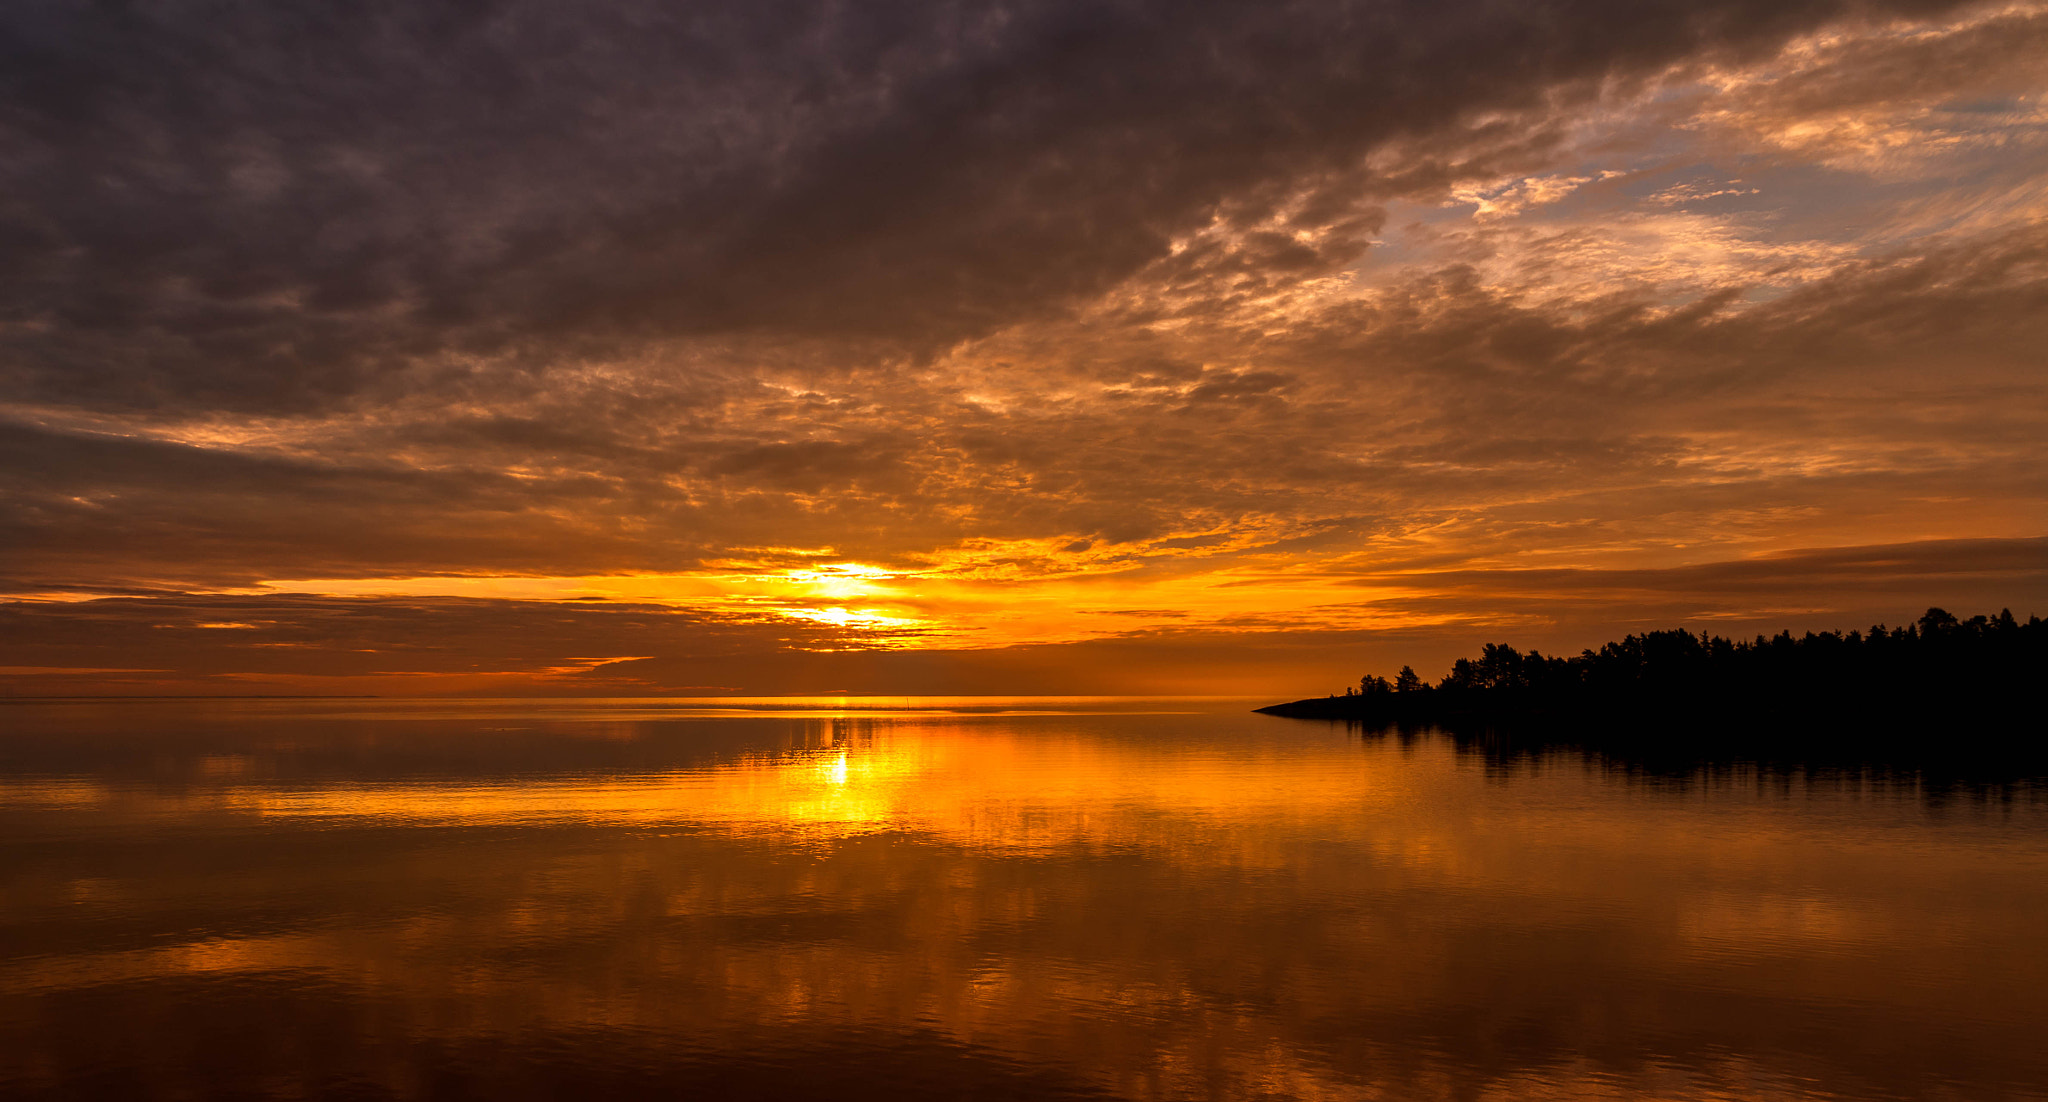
<point>397,899</point>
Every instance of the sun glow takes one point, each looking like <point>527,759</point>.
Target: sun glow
<point>880,608</point>
<point>851,617</point>
<point>976,595</point>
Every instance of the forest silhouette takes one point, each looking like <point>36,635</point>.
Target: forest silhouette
<point>1941,686</point>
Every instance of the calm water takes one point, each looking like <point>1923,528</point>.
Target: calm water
<point>1131,899</point>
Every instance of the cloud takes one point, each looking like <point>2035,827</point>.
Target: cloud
<point>279,209</point>
<point>1189,307</point>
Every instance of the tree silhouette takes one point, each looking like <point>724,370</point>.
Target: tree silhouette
<point>1976,680</point>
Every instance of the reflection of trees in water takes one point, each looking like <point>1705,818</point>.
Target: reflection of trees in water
<point>1683,760</point>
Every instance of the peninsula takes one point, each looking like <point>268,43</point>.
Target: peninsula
<point>1966,683</point>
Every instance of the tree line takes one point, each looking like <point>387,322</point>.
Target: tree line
<point>1984,674</point>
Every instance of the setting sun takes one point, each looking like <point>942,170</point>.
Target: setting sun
<point>1088,550</point>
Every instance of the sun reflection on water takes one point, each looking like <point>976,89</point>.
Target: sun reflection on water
<point>1162,906</point>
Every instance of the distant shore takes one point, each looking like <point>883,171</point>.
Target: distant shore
<point>1941,685</point>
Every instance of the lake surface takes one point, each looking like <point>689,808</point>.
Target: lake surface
<point>972,898</point>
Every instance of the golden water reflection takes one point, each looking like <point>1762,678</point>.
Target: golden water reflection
<point>1121,903</point>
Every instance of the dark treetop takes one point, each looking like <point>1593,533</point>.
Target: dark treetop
<point>1972,686</point>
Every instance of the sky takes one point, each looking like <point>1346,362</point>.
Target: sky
<point>642,348</point>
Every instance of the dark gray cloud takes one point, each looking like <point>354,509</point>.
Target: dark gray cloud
<point>268,207</point>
